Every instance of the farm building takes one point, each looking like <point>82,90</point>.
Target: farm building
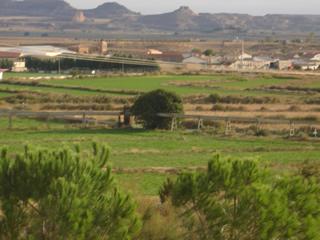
<point>306,65</point>
<point>316,57</point>
<point>311,56</point>
<point>154,52</point>
<point>245,56</point>
<point>168,57</point>
<point>18,62</point>
<point>256,63</point>
<point>36,51</point>
<point>80,48</point>
<point>215,60</point>
<point>281,64</point>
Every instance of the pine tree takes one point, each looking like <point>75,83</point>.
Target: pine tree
<point>63,194</point>
<point>238,200</point>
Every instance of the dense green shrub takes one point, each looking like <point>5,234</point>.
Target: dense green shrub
<point>62,194</point>
<point>148,105</point>
<point>6,63</point>
<point>238,200</point>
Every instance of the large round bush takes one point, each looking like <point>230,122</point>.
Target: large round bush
<point>148,105</point>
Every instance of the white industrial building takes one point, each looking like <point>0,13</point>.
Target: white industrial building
<point>36,51</point>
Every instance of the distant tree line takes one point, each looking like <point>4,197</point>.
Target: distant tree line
<point>6,63</point>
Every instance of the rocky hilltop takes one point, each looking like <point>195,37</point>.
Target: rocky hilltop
<point>110,10</point>
<point>183,19</point>
<point>37,8</point>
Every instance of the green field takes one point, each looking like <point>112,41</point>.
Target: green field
<point>218,83</point>
<point>223,84</point>
<point>140,149</point>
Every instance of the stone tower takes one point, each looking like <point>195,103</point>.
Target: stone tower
<point>103,47</point>
<point>79,17</point>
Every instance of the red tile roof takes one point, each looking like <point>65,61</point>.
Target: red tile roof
<point>10,54</point>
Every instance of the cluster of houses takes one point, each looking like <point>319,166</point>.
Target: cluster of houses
<point>309,61</point>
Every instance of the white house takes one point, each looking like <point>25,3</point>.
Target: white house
<point>316,57</point>
<point>256,63</point>
<point>19,64</point>
<point>245,56</point>
<point>154,52</point>
<point>306,65</point>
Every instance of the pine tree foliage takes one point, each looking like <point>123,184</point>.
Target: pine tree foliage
<point>63,194</point>
<point>238,200</point>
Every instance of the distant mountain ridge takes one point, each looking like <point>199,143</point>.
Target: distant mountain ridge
<point>37,8</point>
<point>183,19</point>
<point>109,10</point>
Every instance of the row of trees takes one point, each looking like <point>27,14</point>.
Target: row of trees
<point>69,194</point>
<point>6,63</point>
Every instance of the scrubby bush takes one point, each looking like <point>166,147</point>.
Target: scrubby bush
<point>215,98</point>
<point>159,222</point>
<point>148,105</point>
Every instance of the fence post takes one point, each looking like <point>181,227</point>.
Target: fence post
<point>47,120</point>
<point>292,129</point>
<point>174,124</point>
<point>258,126</point>
<point>119,121</point>
<point>228,127</point>
<point>315,132</point>
<point>84,120</point>
<point>10,120</point>
<point>126,116</point>
<point>200,124</point>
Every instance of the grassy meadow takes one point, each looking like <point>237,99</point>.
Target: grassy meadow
<point>154,155</point>
<point>224,84</point>
<point>185,85</point>
<point>158,151</point>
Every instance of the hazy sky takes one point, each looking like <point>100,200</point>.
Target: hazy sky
<point>257,7</point>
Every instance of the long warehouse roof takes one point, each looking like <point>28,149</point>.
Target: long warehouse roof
<point>41,51</point>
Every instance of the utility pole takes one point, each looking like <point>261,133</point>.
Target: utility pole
<point>122,46</point>
<point>59,66</point>
<point>242,52</point>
